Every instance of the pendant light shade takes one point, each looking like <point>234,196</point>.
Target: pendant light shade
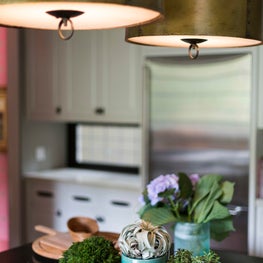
<point>208,23</point>
<point>85,14</point>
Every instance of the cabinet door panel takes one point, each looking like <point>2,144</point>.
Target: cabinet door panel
<point>120,207</point>
<point>42,207</point>
<point>122,94</point>
<point>259,228</point>
<point>40,74</point>
<point>63,85</point>
<point>80,201</point>
<point>40,194</point>
<point>81,101</point>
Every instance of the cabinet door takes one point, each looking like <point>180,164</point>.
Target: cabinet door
<point>104,84</point>
<point>40,74</point>
<point>81,99</point>
<point>80,200</point>
<point>62,79</point>
<point>47,75</point>
<point>42,207</point>
<point>120,208</point>
<point>259,229</point>
<point>122,93</point>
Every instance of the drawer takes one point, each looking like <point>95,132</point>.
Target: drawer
<point>52,203</point>
<point>40,195</point>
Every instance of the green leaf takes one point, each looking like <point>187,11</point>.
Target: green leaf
<point>218,212</point>
<point>228,191</point>
<point>203,188</point>
<point>220,229</point>
<point>144,208</point>
<point>167,193</point>
<point>185,186</point>
<point>158,216</point>
<point>206,204</point>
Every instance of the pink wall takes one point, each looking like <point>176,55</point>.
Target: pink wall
<point>3,203</point>
<point>4,235</point>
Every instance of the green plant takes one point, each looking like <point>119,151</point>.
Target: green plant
<point>91,250</point>
<point>185,256</point>
<point>142,240</point>
<point>182,198</point>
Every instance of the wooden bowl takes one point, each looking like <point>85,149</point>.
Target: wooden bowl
<point>81,228</point>
<point>111,236</point>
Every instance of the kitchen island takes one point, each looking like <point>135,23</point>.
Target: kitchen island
<point>24,254</point>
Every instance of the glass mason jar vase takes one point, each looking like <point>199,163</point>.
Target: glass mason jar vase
<point>193,237</point>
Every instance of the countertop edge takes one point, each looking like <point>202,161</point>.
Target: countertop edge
<point>89,177</point>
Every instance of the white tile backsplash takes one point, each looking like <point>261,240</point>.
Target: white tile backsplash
<point>111,145</point>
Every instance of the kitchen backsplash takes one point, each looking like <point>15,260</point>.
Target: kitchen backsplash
<point>110,145</point>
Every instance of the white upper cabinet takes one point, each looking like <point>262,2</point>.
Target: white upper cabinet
<point>91,77</point>
<point>123,86</point>
<point>40,75</point>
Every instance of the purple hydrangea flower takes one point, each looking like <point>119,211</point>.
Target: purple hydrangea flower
<point>161,184</point>
<point>194,179</point>
<point>141,199</point>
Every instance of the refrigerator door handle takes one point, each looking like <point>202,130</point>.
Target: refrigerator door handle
<point>236,210</point>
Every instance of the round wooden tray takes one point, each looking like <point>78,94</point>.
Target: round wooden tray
<point>52,247</point>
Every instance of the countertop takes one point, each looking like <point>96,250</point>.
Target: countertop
<point>91,177</point>
<point>24,254</point>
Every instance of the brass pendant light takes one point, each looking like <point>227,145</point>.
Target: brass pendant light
<point>84,14</point>
<point>204,23</point>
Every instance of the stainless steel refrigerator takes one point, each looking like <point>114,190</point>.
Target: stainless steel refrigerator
<point>198,116</point>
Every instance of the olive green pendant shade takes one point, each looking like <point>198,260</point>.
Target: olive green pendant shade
<point>84,14</point>
<point>207,23</point>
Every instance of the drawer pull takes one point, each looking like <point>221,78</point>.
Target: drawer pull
<point>100,219</point>
<point>120,203</point>
<point>44,193</point>
<point>100,111</point>
<point>81,198</point>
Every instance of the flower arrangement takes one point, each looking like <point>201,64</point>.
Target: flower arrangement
<point>142,240</point>
<point>182,198</point>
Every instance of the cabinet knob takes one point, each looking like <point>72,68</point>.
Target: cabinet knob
<point>58,110</point>
<point>58,213</point>
<point>100,110</point>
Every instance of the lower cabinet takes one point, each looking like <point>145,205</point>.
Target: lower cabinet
<point>52,203</point>
<point>259,229</point>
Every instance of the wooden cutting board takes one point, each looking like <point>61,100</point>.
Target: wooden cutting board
<point>61,241</point>
<point>52,246</point>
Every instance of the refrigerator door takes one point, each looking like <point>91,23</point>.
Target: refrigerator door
<point>199,123</point>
